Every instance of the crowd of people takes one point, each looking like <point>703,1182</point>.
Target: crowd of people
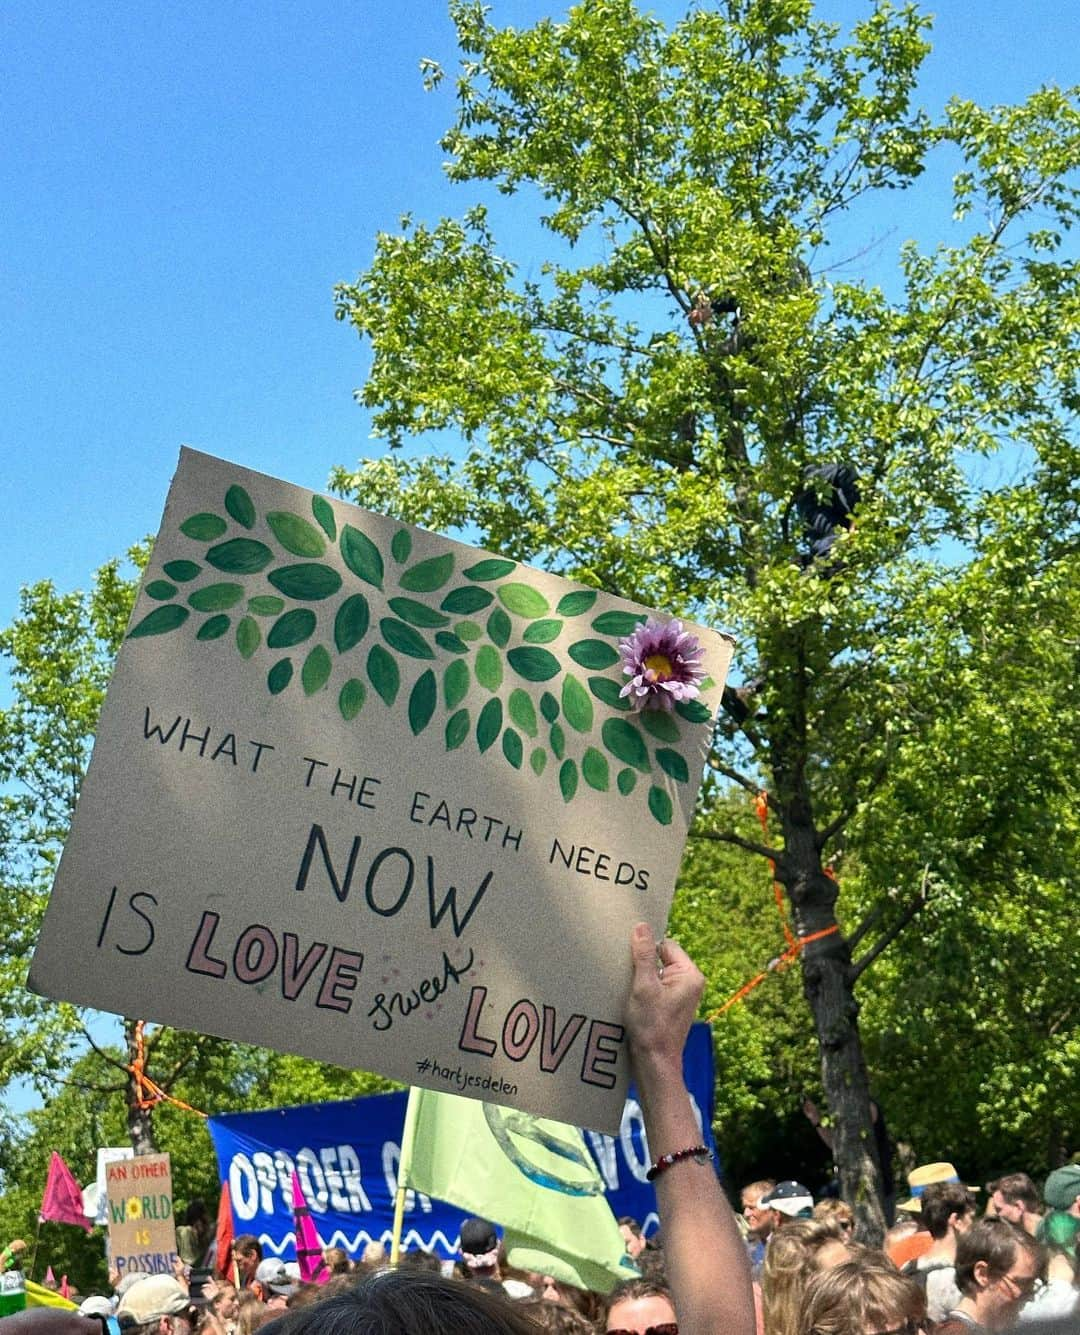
<point>785,1266</point>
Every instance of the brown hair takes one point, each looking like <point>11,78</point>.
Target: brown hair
<point>940,1201</point>
<point>995,1242</point>
<point>1018,1189</point>
<point>631,1289</point>
<point>790,1260</point>
<point>832,1208</point>
<point>865,1293</point>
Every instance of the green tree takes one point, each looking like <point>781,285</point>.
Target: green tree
<point>641,410</point>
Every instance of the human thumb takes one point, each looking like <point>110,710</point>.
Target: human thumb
<point>643,948</point>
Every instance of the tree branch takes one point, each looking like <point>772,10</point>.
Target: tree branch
<point>917,902</point>
<point>105,1056</point>
<point>740,779</point>
<point>873,917</point>
<point>726,837</point>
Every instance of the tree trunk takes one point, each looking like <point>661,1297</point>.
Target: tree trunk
<point>139,1119</point>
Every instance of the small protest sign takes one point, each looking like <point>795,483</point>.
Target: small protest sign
<point>142,1227</point>
<point>373,796</point>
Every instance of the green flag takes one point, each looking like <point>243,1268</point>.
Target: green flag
<point>529,1174</point>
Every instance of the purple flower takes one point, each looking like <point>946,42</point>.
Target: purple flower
<point>663,662</point>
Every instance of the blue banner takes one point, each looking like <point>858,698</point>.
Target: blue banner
<point>346,1155</point>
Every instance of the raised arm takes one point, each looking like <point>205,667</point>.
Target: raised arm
<point>707,1265</point>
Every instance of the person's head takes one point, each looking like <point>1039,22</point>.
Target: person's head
<point>247,1253</point>
<point>796,1252</point>
<point>253,1316</point>
<point>1062,1189</point>
<point>274,1283</point>
<point>197,1216</point>
<point>337,1260</point>
<point>638,1306</point>
<point>866,1295</point>
<point>225,1302</point>
<point>50,1321</point>
<point>787,1201</point>
<point>632,1236</point>
<point>947,1207</point>
<point>924,1176</point>
<point>1014,1196</point>
<point>556,1318</point>
<point>758,1217</point>
<point>838,1211</point>
<point>156,1305</point>
<point>997,1266</point>
<point>479,1249</point>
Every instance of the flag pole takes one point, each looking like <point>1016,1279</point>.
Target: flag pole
<point>408,1133</point>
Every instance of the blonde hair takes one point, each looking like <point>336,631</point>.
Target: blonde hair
<point>790,1260</point>
<point>866,1293</point>
<point>832,1208</point>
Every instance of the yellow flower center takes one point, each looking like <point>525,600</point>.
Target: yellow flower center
<point>660,664</point>
<point>134,1207</point>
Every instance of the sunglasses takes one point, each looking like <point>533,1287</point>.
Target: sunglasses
<point>664,1328</point>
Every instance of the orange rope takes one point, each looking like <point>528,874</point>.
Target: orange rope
<point>149,1092</point>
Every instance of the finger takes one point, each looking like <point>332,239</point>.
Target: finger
<point>643,947</point>
<point>672,953</point>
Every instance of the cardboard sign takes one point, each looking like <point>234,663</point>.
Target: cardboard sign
<point>142,1227</point>
<point>372,796</point>
<point>95,1196</point>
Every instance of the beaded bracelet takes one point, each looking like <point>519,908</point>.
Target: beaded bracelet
<point>700,1153</point>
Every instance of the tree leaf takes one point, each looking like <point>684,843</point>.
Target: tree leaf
<point>306,583</point>
<point>492,568</point>
<point>693,711</point>
<point>577,707</point>
<point>549,707</point>
<point>595,654</point>
<point>216,597</point>
<point>626,780</point>
<point>422,700</point>
<point>213,627</point>
<point>279,676</point>
<point>489,724</point>
<point>594,769</point>
<point>324,517</point>
<point>660,724</point>
<point>455,683</point>
<point>660,805</point>
<point>295,534</point>
<point>428,575</point>
<point>512,748</point>
<point>542,632</point>
<point>558,740</point>
<point>160,621</point>
<point>523,600</point>
<point>498,627</point>
<point>466,600</point>
<point>533,663</point>
<point>203,527</point>
<point>266,605</point>
<point>468,630</point>
<point>608,691</point>
<point>574,604</point>
<point>382,670</point>
<point>351,697</point>
<point>618,623</point>
<point>361,556</point>
<point>160,589</point>
<point>568,780</point>
<point>625,743</point>
<point>293,628</point>
<point>351,622</point>
<point>457,729</point>
<point>404,639</point>
<point>417,614</point>
<point>181,571</point>
<point>401,545</point>
<point>240,556</point>
<point>674,764</point>
<point>316,670</point>
<point>522,711</point>
<point>488,667</point>
<point>538,760</point>
<point>248,636</point>
<point>240,506</point>
<point>445,639</point>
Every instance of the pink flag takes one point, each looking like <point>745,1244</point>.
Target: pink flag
<point>50,1279</point>
<point>65,1288</point>
<point>313,1268</point>
<point>63,1201</point>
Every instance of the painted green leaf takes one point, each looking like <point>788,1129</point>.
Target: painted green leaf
<point>422,701</point>
<point>293,628</point>
<point>324,517</point>
<point>488,667</point>
<point>674,764</point>
<point>512,748</point>
<point>266,605</point>
<point>457,729</point>
<point>568,779</point>
<point>542,632</point>
<point>401,545</point>
<point>248,636</point>
<point>523,600</point>
<point>625,743</point>
<point>296,535</point>
<point>618,623</point>
<point>216,597</point>
<point>660,724</point>
<point>362,556</point>
<point>428,575</point>
<point>558,740</point>
<point>160,589</point>
<point>489,724</point>
<point>351,622</point>
<point>213,628</point>
<point>382,670</point>
<point>627,781</point>
<point>522,711</point>
<point>549,707</point>
<point>660,805</point>
<point>608,691</point>
<point>307,583</point>
<point>351,697</point>
<point>239,505</point>
<point>577,707</point>
<point>447,640</point>
<point>316,670</point>
<point>279,676</point>
<point>404,639</point>
<point>594,769</point>
<point>240,556</point>
<point>498,627</point>
<point>533,663</point>
<point>538,760</point>
<point>693,711</point>
<point>464,601</point>
<point>455,683</point>
<point>492,568</point>
<point>181,571</point>
<point>469,630</point>
<point>417,614</point>
<point>574,604</point>
<point>204,527</point>
<point>594,654</point>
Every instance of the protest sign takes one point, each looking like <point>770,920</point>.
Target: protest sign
<point>372,796</point>
<point>95,1196</point>
<point>142,1227</point>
